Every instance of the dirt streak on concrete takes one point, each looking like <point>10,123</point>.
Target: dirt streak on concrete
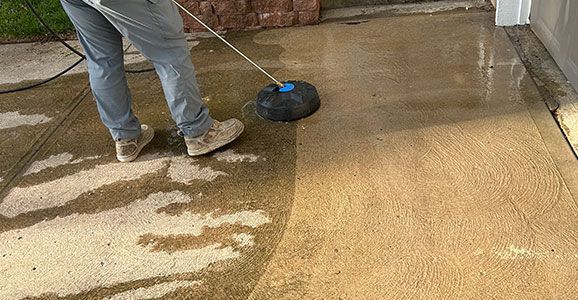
<point>252,187</point>
<point>46,105</point>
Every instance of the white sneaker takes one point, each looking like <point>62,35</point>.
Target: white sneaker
<point>127,151</point>
<point>219,135</point>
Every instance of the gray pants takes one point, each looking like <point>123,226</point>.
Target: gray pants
<point>155,28</point>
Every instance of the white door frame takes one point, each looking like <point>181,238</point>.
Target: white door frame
<point>512,12</point>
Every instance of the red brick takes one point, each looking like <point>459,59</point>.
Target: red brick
<point>211,21</point>
<point>191,5</point>
<point>272,6</point>
<point>251,20</point>
<point>232,21</point>
<point>231,7</point>
<point>295,19</point>
<point>239,21</point>
<point>278,19</point>
<point>306,5</point>
<point>206,8</point>
<point>308,17</point>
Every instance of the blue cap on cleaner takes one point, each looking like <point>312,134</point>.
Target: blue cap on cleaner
<point>287,87</point>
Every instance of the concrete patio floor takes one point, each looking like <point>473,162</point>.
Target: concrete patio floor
<point>433,170</point>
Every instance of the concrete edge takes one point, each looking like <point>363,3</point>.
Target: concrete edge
<point>562,155</point>
<point>555,89</point>
<point>403,9</point>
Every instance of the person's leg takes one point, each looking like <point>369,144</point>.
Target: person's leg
<point>156,29</point>
<point>102,45</point>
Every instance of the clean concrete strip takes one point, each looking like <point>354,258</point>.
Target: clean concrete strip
<point>184,170</point>
<point>59,192</point>
<point>56,161</point>
<point>14,119</point>
<point>424,174</point>
<point>401,9</point>
<point>231,156</point>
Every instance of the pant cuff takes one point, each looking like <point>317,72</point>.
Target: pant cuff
<point>196,131</point>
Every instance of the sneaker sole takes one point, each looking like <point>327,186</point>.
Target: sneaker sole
<point>138,150</point>
<point>218,145</point>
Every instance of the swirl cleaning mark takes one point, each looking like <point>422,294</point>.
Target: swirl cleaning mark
<point>102,250</point>
<point>14,119</point>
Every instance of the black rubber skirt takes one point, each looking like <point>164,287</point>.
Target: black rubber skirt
<point>297,100</point>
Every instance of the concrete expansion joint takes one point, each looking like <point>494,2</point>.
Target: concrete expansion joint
<point>25,161</point>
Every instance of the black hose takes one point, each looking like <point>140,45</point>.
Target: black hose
<point>139,71</point>
<point>39,18</point>
<point>63,42</point>
<point>43,81</point>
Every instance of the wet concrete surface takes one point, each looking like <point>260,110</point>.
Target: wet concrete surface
<point>27,117</point>
<point>424,175</point>
<point>553,85</point>
<point>42,60</point>
<point>432,170</point>
<point>237,200</point>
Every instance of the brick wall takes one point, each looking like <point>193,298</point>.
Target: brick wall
<point>247,14</point>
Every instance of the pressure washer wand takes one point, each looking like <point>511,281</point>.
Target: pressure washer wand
<point>277,82</point>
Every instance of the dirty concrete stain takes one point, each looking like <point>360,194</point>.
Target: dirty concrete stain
<point>155,291</point>
<point>231,156</point>
<point>46,59</point>
<point>183,169</point>
<point>55,161</point>
<point>558,93</point>
<point>45,101</point>
<point>14,119</point>
<point>99,250</point>
<point>51,162</point>
<point>229,235</point>
<point>260,186</point>
<point>60,191</point>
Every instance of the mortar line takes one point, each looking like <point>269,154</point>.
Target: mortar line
<point>25,161</point>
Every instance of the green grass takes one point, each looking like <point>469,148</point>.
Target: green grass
<point>17,21</point>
